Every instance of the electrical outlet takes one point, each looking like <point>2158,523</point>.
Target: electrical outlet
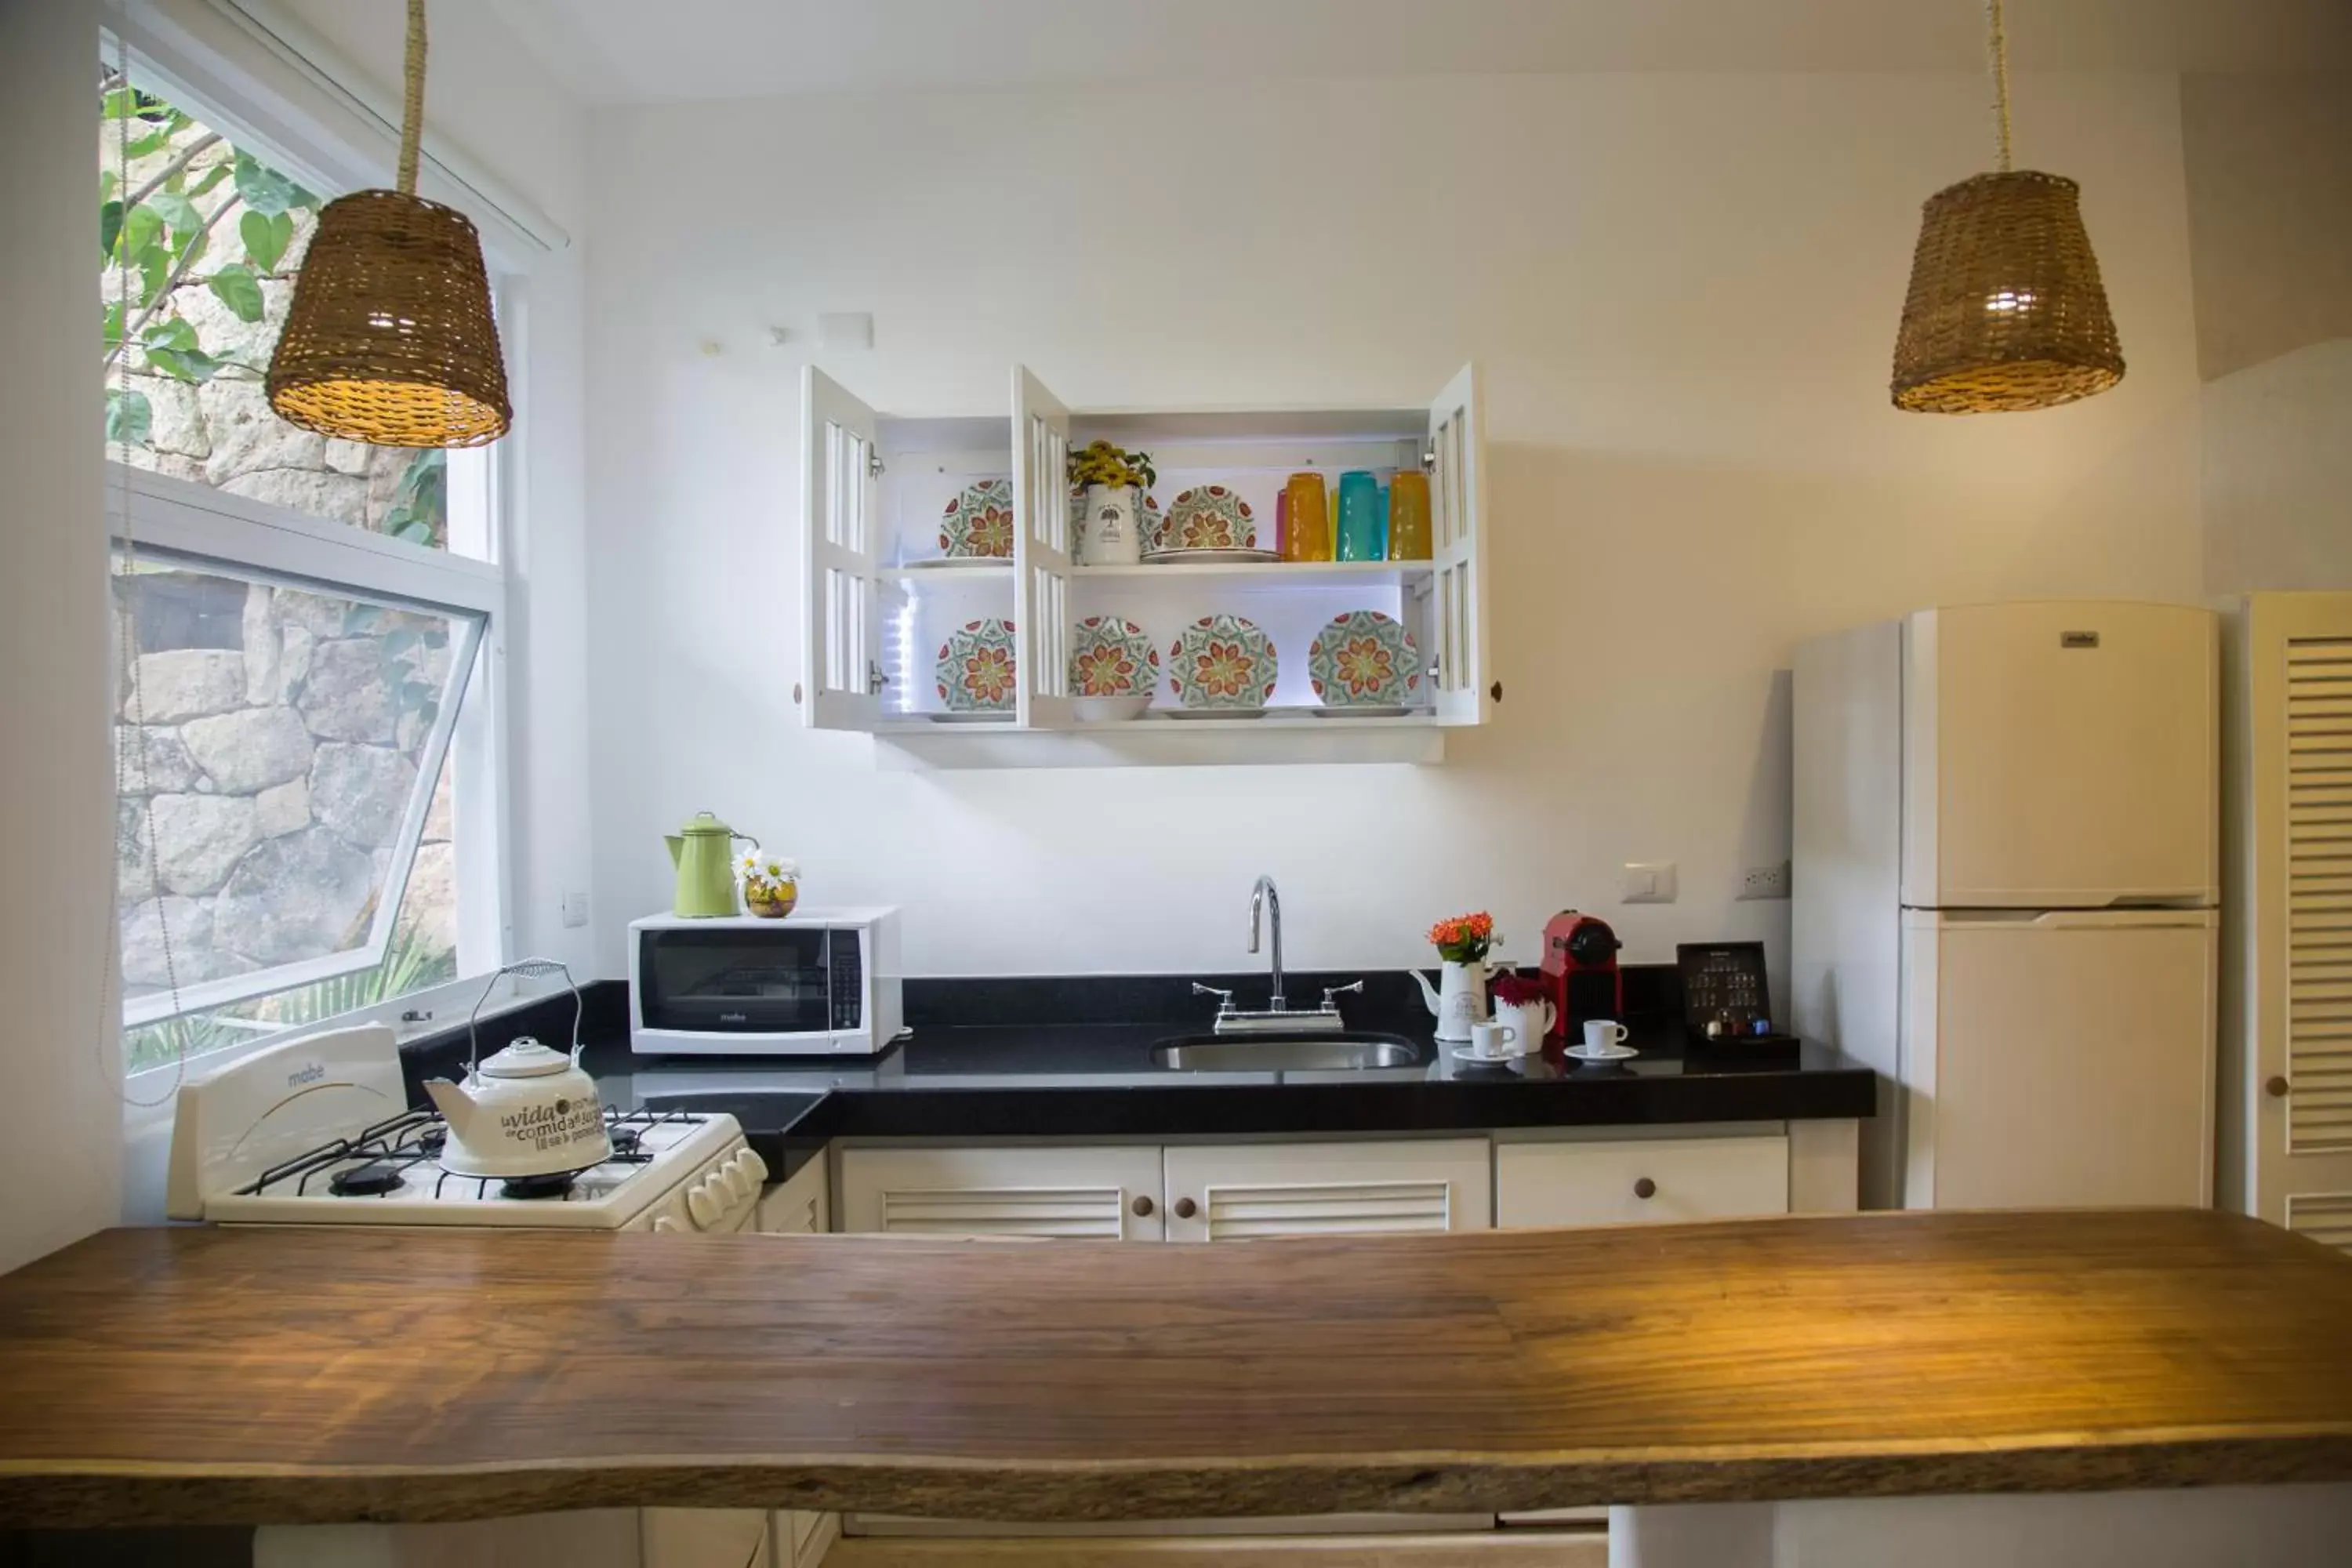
<point>1765,881</point>
<point>575,910</point>
<point>1649,882</point>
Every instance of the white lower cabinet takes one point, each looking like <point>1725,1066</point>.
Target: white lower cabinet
<point>1247,1192</point>
<point>1640,1181</point>
<point>1106,1192</point>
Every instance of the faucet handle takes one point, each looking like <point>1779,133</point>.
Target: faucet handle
<point>1331,995</point>
<point>1225,998</point>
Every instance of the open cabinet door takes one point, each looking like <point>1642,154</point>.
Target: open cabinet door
<point>1040,552</point>
<point>840,518</point>
<point>2287,1089</point>
<point>1456,461</point>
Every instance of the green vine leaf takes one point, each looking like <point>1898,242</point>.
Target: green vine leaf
<point>236,286</point>
<point>182,364</point>
<point>142,229</point>
<point>171,333</point>
<point>177,210</point>
<point>212,176</point>
<point>109,228</point>
<point>264,190</point>
<point>266,238</point>
<point>128,418</point>
<point>112,329</point>
<point>154,271</point>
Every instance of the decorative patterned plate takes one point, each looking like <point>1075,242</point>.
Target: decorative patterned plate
<point>1199,557</point>
<point>1112,657</point>
<point>1223,662</point>
<point>1364,659</point>
<point>1206,517</point>
<point>975,667</point>
<point>978,524</point>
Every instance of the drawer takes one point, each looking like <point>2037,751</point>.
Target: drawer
<point>1574,1184</point>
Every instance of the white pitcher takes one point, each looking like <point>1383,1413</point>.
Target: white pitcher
<point>1459,999</point>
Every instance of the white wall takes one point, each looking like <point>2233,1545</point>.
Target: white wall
<point>2269,162</point>
<point>58,1162</point>
<point>1684,292</point>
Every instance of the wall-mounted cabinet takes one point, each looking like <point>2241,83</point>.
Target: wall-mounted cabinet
<point>896,616</point>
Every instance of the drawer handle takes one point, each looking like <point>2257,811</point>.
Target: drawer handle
<point>1186,1208</point>
<point>1646,1188</point>
<point>1143,1207</point>
<point>2275,1089</point>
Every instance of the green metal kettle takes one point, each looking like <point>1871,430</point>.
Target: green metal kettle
<point>705,880</point>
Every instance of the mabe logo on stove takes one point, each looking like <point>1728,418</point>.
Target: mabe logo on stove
<point>309,1072</point>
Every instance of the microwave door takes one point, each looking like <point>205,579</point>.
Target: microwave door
<point>723,982</point>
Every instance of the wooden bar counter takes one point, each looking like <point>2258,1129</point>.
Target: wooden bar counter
<point>281,1374</point>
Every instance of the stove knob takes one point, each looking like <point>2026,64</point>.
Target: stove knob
<point>664,1226</point>
<point>703,1205</point>
<point>738,1180</point>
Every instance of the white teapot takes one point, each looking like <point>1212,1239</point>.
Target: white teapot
<point>527,1111</point>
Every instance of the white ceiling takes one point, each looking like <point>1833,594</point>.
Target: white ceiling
<point>652,52</point>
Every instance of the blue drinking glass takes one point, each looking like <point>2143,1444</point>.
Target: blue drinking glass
<point>1363,521</point>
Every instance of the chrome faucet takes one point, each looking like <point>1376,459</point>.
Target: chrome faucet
<point>1265,916</point>
<point>1264,899</point>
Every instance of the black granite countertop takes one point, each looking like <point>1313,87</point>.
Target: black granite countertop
<point>1072,1058</point>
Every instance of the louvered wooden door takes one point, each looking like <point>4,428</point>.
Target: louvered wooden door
<point>1249,1192</point>
<point>1103,1194</point>
<point>2297,1085</point>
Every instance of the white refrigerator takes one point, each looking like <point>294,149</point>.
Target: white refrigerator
<point>2004,887</point>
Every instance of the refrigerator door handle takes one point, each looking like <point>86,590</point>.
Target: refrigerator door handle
<point>2072,920</point>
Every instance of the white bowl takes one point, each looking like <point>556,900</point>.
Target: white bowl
<point>1107,710</point>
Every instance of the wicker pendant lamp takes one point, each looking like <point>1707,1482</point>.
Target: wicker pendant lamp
<point>390,338</point>
<point>2005,310</point>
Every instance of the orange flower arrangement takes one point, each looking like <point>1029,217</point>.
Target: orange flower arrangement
<point>1465,938</point>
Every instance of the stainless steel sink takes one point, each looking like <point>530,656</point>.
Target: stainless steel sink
<point>1284,1053</point>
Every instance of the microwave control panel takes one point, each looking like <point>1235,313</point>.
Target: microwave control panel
<point>848,982</point>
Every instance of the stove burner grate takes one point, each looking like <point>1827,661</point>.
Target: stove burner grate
<point>550,1186</point>
<point>371,1180</point>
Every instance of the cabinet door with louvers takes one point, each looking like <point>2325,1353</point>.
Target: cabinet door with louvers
<point>2287,1111</point>
<point>1110,1193</point>
<point>1248,1192</point>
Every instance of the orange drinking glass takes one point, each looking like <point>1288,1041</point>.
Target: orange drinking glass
<point>1409,516</point>
<point>1309,537</point>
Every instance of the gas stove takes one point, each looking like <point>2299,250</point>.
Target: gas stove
<point>318,1131</point>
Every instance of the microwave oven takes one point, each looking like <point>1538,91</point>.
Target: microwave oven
<point>817,983</point>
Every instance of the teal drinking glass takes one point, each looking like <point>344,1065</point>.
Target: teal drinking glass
<point>1363,521</point>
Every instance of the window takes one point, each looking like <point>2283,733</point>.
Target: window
<point>306,822</point>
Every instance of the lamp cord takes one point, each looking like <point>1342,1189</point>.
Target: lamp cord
<point>1997,43</point>
<point>412,98</point>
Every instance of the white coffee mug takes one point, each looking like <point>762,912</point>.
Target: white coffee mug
<point>1492,1040</point>
<point>1602,1034</point>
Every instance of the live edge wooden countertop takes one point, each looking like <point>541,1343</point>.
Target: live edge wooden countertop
<point>280,1375</point>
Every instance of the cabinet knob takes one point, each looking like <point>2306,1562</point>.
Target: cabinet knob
<point>1186,1208</point>
<point>1143,1206</point>
<point>1496,691</point>
<point>1646,1188</point>
<point>2275,1088</point>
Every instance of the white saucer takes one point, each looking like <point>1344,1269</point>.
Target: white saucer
<point>1465,1054</point>
<point>1600,1053</point>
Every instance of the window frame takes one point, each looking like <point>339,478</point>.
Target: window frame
<point>192,523</point>
<point>259,89</point>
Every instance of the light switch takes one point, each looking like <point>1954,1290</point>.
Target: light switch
<point>1649,882</point>
<point>575,910</point>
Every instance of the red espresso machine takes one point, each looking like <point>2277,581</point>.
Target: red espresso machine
<point>1580,970</point>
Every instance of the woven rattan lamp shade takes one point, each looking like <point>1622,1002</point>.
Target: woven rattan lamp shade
<point>390,338</point>
<point>2005,310</point>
